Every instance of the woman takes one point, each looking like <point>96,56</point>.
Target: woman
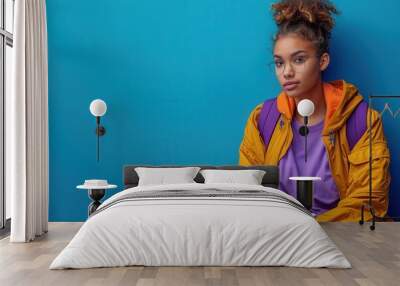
<point>336,152</point>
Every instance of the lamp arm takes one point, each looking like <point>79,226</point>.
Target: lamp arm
<point>305,138</point>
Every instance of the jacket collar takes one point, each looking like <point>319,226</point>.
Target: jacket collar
<point>341,99</point>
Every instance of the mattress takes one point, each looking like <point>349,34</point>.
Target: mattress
<point>201,225</point>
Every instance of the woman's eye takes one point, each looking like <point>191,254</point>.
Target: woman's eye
<point>299,60</point>
<point>278,64</point>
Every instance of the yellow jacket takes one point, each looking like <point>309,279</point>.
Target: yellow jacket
<point>350,170</point>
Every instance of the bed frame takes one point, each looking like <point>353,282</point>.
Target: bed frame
<point>270,179</point>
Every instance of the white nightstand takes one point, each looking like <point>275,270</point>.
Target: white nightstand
<point>96,190</point>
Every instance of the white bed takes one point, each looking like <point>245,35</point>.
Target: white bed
<point>205,230</point>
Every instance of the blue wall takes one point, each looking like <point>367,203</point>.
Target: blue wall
<point>180,78</point>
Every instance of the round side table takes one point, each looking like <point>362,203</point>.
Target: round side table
<point>305,190</point>
<point>95,193</point>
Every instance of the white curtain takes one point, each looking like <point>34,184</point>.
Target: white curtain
<point>27,124</point>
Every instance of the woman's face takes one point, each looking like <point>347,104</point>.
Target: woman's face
<point>296,64</point>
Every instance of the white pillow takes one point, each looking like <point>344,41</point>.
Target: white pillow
<point>248,177</point>
<point>165,176</point>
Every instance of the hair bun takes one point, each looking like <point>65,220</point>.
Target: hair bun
<point>314,12</point>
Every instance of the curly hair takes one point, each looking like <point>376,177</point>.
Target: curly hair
<point>310,19</point>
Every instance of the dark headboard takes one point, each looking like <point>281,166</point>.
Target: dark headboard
<point>270,179</point>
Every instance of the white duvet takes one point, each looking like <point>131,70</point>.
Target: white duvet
<point>200,231</point>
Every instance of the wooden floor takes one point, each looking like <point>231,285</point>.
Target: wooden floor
<point>374,255</point>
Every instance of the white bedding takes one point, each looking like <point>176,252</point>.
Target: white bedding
<point>200,231</point>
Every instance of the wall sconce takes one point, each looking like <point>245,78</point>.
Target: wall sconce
<point>305,108</point>
<point>98,108</point>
